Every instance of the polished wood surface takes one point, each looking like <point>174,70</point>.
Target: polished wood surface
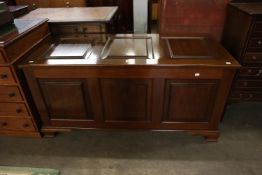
<point>76,14</point>
<point>112,88</point>
<point>243,39</point>
<point>192,18</point>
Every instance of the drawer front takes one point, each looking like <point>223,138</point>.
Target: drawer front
<point>248,84</point>
<point>10,94</point>
<point>13,109</point>
<point>246,95</point>
<point>255,45</point>
<point>6,76</point>
<point>96,38</point>
<point>23,124</point>
<point>255,72</point>
<point>77,28</point>
<point>252,58</point>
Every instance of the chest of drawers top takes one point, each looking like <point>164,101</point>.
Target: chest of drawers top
<point>19,37</point>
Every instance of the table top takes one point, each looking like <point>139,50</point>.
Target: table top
<point>73,14</point>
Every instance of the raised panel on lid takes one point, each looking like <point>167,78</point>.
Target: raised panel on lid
<point>129,48</point>
<point>181,47</point>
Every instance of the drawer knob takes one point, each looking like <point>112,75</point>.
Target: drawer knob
<point>259,42</point>
<point>19,110</point>
<point>245,83</point>
<point>249,70</point>
<point>26,125</point>
<point>11,94</point>
<point>3,76</point>
<point>254,57</point>
<point>4,124</point>
<point>240,95</point>
<point>251,95</point>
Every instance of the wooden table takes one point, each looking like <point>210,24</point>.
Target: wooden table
<point>77,20</point>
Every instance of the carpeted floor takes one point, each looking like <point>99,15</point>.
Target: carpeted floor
<point>238,152</point>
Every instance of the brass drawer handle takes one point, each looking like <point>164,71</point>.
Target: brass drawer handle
<point>11,94</point>
<point>67,4</point>
<point>19,110</point>
<point>254,57</point>
<point>259,42</point>
<point>3,76</point>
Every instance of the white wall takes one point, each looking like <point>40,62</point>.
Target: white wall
<point>140,16</point>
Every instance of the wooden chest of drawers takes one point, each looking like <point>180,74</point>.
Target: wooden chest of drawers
<point>16,114</point>
<point>243,39</point>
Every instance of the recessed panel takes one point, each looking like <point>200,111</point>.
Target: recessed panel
<point>197,48</point>
<point>65,99</point>
<point>189,101</point>
<point>128,48</point>
<point>126,99</point>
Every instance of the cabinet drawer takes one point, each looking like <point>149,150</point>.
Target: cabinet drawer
<point>9,123</point>
<point>246,95</point>
<point>6,76</point>
<point>10,94</point>
<point>77,28</point>
<point>255,72</point>
<point>13,109</point>
<point>247,84</point>
<point>252,58</point>
<point>255,45</point>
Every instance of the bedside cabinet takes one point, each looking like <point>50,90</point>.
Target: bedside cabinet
<point>17,116</point>
<point>242,37</point>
